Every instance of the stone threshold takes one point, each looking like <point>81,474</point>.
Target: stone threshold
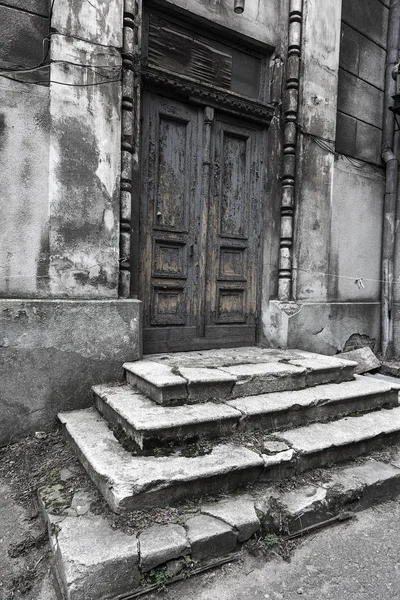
<point>92,560</point>
<point>191,377</point>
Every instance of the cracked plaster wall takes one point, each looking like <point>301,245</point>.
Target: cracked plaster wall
<point>60,152</point>
<point>59,196</point>
<point>338,218</point>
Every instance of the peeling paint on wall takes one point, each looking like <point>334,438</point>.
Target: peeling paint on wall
<point>84,174</point>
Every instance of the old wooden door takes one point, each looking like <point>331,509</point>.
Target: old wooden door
<point>200,223</point>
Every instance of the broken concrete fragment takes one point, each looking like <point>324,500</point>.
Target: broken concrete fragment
<point>354,488</point>
<point>210,537</point>
<point>160,544</point>
<point>174,567</point>
<point>263,378</point>
<point>302,508</point>
<point>278,466</point>
<point>364,357</point>
<point>274,446</point>
<point>81,502</point>
<point>391,367</point>
<point>373,481</point>
<point>65,474</point>
<point>92,560</point>
<point>207,384</point>
<point>156,380</point>
<point>238,512</point>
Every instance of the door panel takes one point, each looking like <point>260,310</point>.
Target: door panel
<point>187,218</point>
<point>170,190</point>
<point>234,231</point>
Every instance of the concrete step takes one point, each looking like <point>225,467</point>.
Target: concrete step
<point>92,556</point>
<point>322,444</point>
<point>151,425</point>
<point>192,377</point>
<point>346,488</point>
<point>130,482</point>
<point>284,410</point>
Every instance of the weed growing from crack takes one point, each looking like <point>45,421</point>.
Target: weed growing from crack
<point>160,576</point>
<point>270,545</point>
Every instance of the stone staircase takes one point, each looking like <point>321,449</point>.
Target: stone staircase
<point>190,425</point>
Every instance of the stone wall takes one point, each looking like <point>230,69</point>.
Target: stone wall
<point>339,201</point>
<point>62,326</point>
<point>23,27</point>
<point>361,79</point>
<point>24,148</point>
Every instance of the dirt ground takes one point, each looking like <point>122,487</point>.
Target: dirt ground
<point>25,555</point>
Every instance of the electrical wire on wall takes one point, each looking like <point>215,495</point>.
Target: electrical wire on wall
<point>115,72</point>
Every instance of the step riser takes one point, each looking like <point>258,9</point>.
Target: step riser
<point>179,394</point>
<point>116,420</point>
<point>314,378</point>
<point>260,385</point>
<point>219,484</point>
<point>203,377</point>
<point>270,422</point>
<point>226,480</point>
<point>351,489</point>
<point>133,483</point>
<point>340,454</point>
<point>174,396</point>
<point>170,395</point>
<point>300,416</point>
<point>216,484</point>
<point>99,482</point>
<point>208,429</point>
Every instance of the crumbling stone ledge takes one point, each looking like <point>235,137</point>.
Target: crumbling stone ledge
<point>92,560</point>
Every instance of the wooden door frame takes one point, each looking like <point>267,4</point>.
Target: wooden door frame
<point>185,89</point>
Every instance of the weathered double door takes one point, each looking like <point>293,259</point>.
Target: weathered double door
<point>200,226</point>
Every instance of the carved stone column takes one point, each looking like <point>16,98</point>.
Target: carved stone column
<point>130,134</point>
<point>291,102</point>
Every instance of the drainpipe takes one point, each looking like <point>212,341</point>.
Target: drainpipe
<point>391,163</point>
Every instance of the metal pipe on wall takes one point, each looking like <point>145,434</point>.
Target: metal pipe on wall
<point>291,108</point>
<point>391,183</point>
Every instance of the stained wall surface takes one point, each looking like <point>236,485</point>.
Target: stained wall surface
<point>24,150</point>
<point>358,188</point>
<point>60,135</point>
<point>62,326</point>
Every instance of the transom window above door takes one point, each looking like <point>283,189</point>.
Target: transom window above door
<point>181,50</point>
<point>201,64</point>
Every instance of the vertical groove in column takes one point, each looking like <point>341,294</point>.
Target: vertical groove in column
<point>130,132</point>
<point>291,104</point>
